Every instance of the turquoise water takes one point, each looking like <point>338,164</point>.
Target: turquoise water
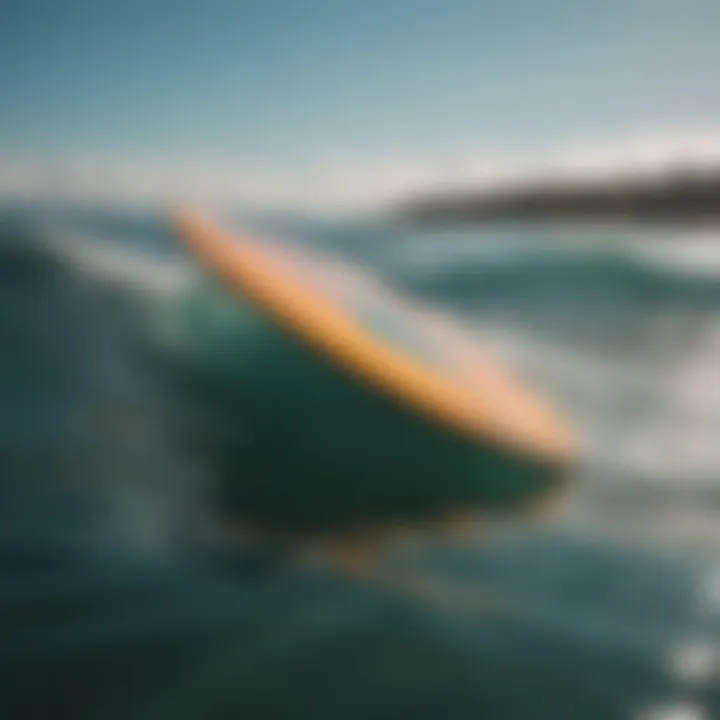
<point>620,326</point>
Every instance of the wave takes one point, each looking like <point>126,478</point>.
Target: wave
<point>572,586</point>
<point>476,263</point>
<point>695,256</point>
<point>623,335</point>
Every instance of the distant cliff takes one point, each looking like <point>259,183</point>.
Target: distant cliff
<point>678,196</point>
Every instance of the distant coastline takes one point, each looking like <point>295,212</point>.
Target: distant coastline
<point>681,196</point>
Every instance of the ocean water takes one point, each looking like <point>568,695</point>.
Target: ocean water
<point>621,326</point>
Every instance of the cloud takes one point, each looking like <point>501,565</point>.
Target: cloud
<point>348,182</point>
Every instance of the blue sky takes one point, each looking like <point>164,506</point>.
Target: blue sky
<point>285,84</point>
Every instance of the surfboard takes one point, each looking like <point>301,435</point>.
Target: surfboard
<point>415,356</point>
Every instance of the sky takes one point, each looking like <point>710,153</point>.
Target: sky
<point>314,100</point>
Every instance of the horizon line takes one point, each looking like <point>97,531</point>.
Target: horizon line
<point>361,184</point>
